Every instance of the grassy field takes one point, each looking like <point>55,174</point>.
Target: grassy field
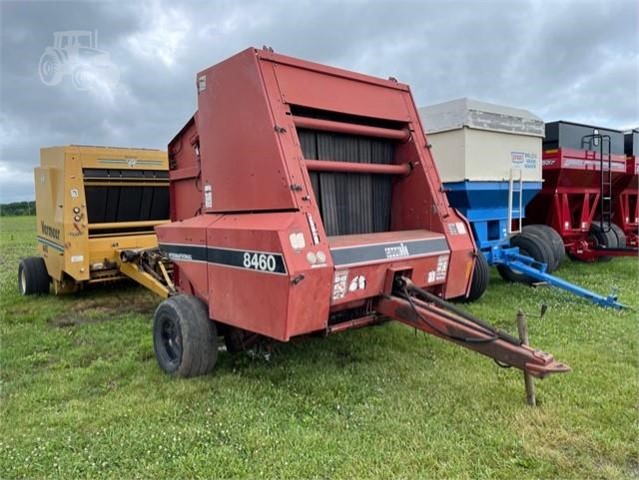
<point>82,395</point>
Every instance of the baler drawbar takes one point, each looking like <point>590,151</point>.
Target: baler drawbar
<point>421,309</point>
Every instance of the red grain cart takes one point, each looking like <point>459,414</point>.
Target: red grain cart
<point>304,199</point>
<point>582,167</point>
<point>626,188</point>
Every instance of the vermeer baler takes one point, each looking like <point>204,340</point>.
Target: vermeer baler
<point>304,200</point>
<point>96,208</point>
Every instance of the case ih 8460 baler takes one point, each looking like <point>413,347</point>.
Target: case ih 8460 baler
<point>304,199</point>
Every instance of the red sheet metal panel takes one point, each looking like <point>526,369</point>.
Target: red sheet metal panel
<point>337,90</point>
<point>242,157</point>
<point>185,243</point>
<point>185,173</point>
<point>260,279</point>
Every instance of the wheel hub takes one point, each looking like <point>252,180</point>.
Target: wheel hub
<point>171,339</point>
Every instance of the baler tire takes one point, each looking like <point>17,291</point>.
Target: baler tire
<point>554,240</point>
<point>33,278</point>
<point>607,239</point>
<point>185,340</point>
<point>533,246</point>
<point>622,242</point>
<point>480,280</point>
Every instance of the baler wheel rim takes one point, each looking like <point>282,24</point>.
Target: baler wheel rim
<point>171,339</point>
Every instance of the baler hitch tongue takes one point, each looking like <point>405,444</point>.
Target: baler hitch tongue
<point>420,309</point>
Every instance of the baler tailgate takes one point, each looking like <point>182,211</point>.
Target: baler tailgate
<point>422,310</point>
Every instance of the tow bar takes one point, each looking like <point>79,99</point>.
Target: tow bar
<point>420,309</point>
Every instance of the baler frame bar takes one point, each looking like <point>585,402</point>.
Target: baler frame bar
<point>352,167</point>
<point>351,128</point>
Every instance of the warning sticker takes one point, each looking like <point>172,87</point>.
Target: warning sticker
<point>208,196</point>
<point>457,228</point>
<point>442,267</point>
<point>339,284</point>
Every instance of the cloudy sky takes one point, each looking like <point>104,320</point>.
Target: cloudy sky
<point>562,60</point>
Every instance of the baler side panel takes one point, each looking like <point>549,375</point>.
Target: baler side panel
<point>238,129</point>
<point>77,253</point>
<point>186,191</point>
<point>49,218</point>
<point>432,204</point>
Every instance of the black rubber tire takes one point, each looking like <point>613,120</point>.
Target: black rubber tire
<point>621,236</point>
<point>547,247</point>
<point>607,239</point>
<point>531,245</point>
<point>480,280</point>
<point>33,278</point>
<point>185,340</point>
<point>553,239</point>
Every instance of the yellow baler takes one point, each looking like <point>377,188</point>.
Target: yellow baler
<point>96,211</point>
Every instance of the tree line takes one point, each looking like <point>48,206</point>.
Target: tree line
<point>17,209</point>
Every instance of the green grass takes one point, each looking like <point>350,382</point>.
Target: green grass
<point>82,395</point>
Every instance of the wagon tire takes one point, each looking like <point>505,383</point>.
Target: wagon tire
<point>532,246</point>
<point>601,238</point>
<point>33,278</point>
<point>480,280</point>
<point>553,239</point>
<point>621,236</point>
<point>185,340</point>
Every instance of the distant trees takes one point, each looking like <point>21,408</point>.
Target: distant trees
<point>17,209</point>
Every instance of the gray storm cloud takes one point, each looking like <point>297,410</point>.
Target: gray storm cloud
<point>562,60</point>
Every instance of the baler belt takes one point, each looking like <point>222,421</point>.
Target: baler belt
<point>350,203</point>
